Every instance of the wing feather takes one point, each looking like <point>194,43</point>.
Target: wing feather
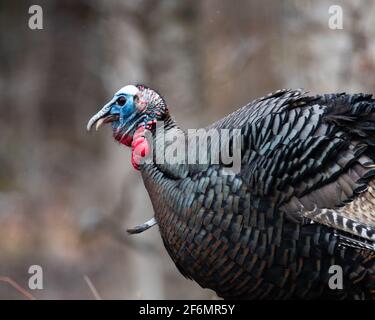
<point>315,155</point>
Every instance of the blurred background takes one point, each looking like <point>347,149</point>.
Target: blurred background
<point>66,196</point>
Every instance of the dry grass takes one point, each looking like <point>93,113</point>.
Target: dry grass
<point>92,288</point>
<point>17,287</point>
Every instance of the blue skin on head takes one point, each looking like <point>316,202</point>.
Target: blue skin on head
<point>126,111</point>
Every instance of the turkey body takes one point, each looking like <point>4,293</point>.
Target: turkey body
<point>302,202</point>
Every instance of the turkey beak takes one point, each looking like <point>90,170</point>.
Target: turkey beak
<point>101,117</point>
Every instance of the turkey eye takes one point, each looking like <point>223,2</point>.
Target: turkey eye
<point>121,101</point>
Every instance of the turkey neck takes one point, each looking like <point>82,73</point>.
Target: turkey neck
<point>163,148</point>
<point>160,179</point>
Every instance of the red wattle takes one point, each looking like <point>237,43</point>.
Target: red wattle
<point>126,140</point>
<point>140,147</point>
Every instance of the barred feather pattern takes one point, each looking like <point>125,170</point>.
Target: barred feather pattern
<point>303,201</point>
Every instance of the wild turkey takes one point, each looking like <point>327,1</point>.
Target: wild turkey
<point>302,201</point>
